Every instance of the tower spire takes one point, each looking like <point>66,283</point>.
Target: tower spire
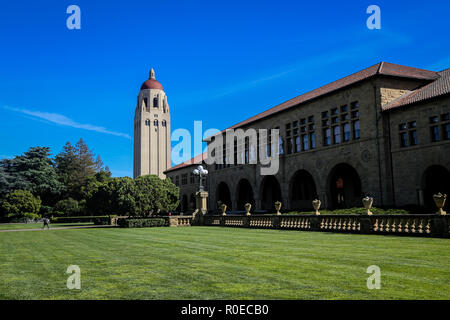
<point>152,74</point>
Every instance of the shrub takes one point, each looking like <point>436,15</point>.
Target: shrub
<point>141,223</point>
<point>21,204</point>
<point>77,219</point>
<point>67,207</point>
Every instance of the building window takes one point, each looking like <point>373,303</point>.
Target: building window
<point>403,139</point>
<point>412,133</point>
<point>313,140</point>
<point>147,122</point>
<point>446,130</point>
<point>184,179</point>
<point>155,102</point>
<point>155,123</point>
<point>177,181</point>
<point>347,132</point>
<point>408,134</point>
<point>337,134</point>
<point>327,137</point>
<point>164,123</point>
<point>297,144</point>
<point>305,142</point>
<point>280,144</point>
<point>356,131</point>
<point>191,178</point>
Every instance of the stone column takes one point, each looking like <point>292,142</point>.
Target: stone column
<point>201,202</point>
<point>201,198</point>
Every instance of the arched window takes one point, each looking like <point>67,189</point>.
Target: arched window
<point>155,102</point>
<point>147,122</point>
<point>163,123</point>
<point>155,123</point>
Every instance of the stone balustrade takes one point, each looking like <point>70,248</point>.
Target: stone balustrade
<point>430,225</point>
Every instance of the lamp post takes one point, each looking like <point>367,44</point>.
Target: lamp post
<point>200,172</point>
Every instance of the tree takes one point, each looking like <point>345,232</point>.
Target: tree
<point>114,196</point>
<point>21,204</point>
<point>76,165</point>
<point>67,207</point>
<point>153,195</point>
<point>32,171</point>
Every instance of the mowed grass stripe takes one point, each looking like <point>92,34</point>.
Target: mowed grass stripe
<point>220,263</point>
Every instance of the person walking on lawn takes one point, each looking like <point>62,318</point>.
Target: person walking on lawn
<point>46,223</point>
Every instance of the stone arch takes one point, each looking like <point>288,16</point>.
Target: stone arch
<point>302,190</point>
<point>344,187</point>
<point>244,194</point>
<point>270,192</point>
<point>223,195</point>
<point>435,178</point>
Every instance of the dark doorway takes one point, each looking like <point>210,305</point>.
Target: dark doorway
<point>244,194</point>
<point>270,193</point>
<point>223,195</point>
<point>192,202</point>
<point>435,179</point>
<point>303,190</point>
<point>184,203</point>
<point>345,187</point>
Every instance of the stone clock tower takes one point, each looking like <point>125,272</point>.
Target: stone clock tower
<point>151,130</point>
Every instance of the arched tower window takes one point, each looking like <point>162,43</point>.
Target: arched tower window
<point>163,123</point>
<point>155,123</point>
<point>147,122</point>
<point>155,102</point>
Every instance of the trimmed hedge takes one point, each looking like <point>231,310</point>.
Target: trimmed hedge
<point>141,223</point>
<point>78,219</point>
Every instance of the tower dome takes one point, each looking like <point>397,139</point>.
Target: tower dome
<point>152,83</point>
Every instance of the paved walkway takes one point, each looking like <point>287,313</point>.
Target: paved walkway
<point>57,228</point>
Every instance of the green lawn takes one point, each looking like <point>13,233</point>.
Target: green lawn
<point>220,263</point>
<point>13,226</point>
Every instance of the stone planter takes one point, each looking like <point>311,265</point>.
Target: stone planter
<point>247,207</point>
<point>367,202</point>
<point>316,205</point>
<point>278,207</point>
<point>439,200</point>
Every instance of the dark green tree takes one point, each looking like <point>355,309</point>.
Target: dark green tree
<point>67,207</point>
<point>21,204</point>
<point>32,171</point>
<point>77,168</point>
<point>154,195</point>
<point>114,196</point>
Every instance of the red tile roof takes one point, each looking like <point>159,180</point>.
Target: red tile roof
<point>439,87</point>
<point>382,68</point>
<point>193,161</point>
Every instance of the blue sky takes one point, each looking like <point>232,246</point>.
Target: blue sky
<point>219,62</point>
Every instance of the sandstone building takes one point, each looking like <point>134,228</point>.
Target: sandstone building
<point>383,131</point>
<point>151,130</point>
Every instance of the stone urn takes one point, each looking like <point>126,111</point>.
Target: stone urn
<point>247,207</point>
<point>439,199</point>
<point>367,202</point>
<point>223,208</point>
<point>278,207</point>
<point>316,204</point>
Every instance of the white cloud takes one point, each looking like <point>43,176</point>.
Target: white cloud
<point>65,121</point>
